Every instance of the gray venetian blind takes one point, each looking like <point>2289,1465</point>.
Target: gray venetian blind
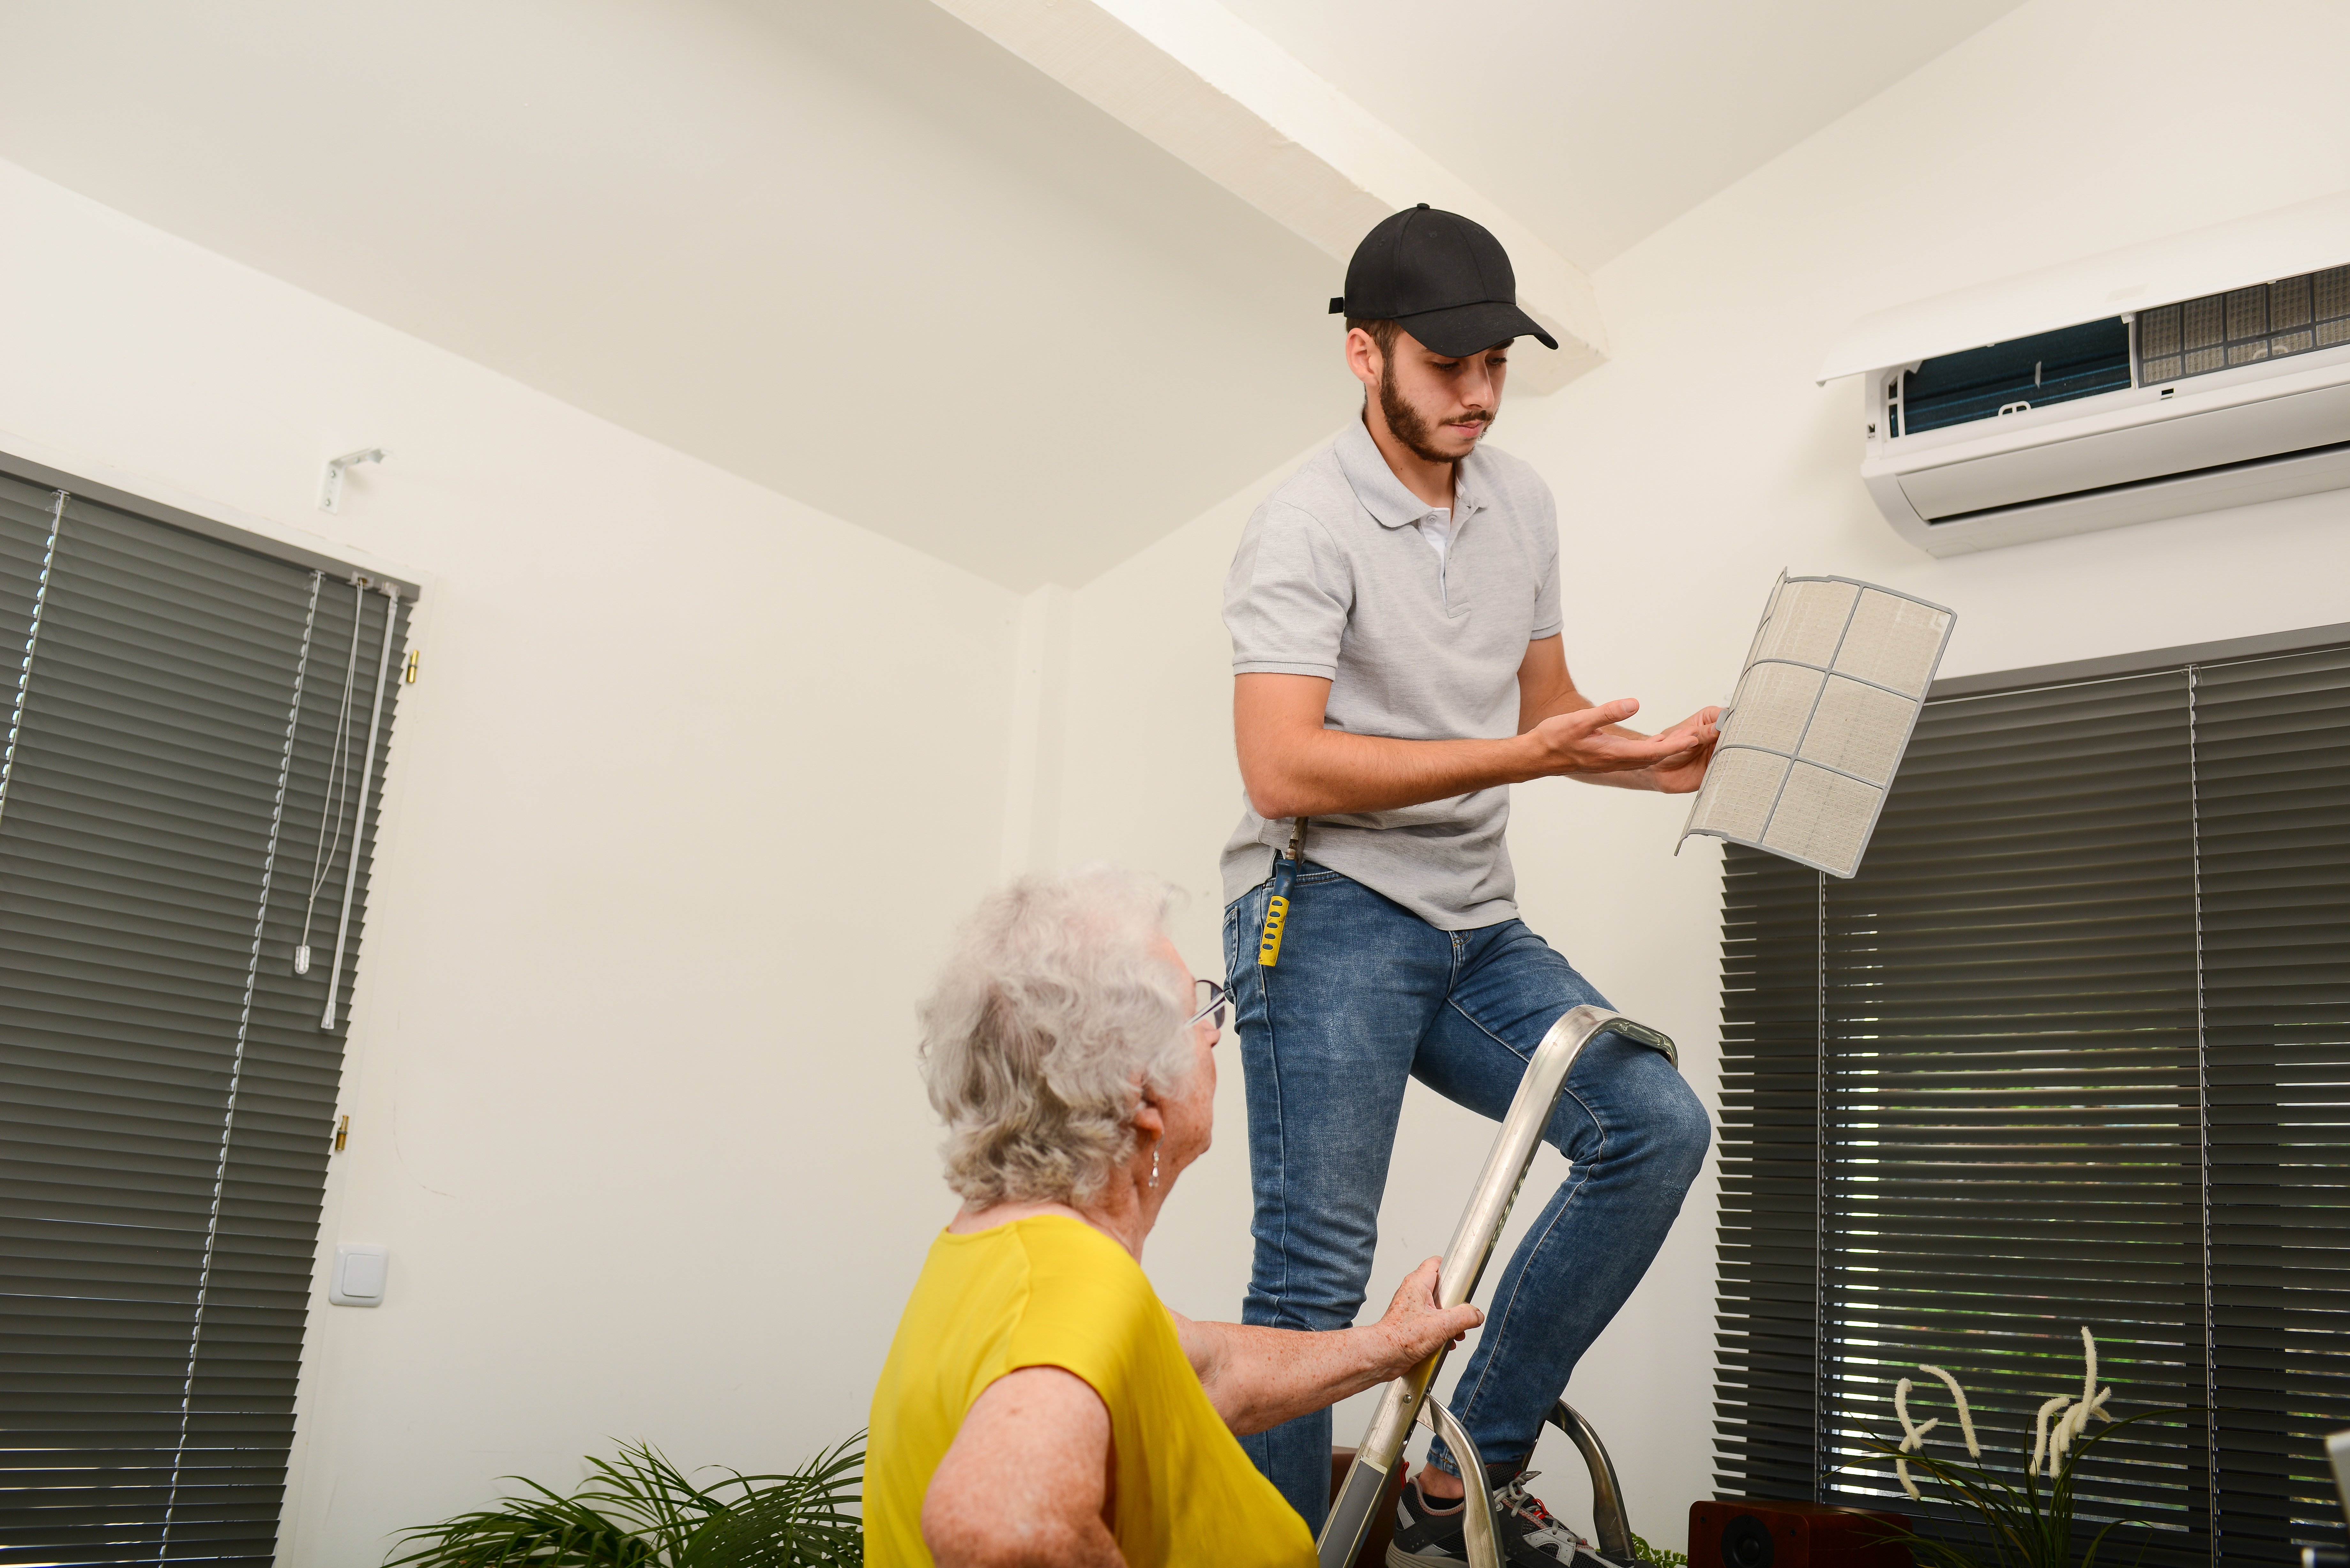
<point>2073,1048</point>
<point>166,1088</point>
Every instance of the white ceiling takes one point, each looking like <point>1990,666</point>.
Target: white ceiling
<point>1598,122</point>
<point>855,253</point>
<point>859,254</point>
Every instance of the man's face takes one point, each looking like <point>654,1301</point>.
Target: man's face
<point>1439,407</point>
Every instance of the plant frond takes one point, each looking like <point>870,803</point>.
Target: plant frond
<point>2097,1542</point>
<point>640,1510</point>
<point>803,1519</point>
<point>2029,1526</point>
<point>1966,1417</point>
<point>549,1533</point>
<point>1657,1556</point>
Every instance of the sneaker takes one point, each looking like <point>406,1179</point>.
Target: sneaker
<point>1427,1535</point>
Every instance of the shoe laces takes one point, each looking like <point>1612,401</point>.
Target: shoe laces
<point>1515,1499</point>
<point>1538,1520</point>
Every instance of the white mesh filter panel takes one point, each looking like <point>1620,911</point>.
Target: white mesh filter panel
<point>1773,704</point>
<point>1822,819</point>
<point>1831,689</point>
<point>1807,620</point>
<point>1859,730</point>
<point>1893,642</point>
<point>1740,788</point>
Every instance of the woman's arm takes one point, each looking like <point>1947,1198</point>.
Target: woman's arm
<point>1026,1479</point>
<point>1260,1377</point>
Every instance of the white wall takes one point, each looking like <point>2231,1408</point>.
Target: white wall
<point>1690,469</point>
<point>691,783</point>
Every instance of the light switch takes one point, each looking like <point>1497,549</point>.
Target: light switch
<point>360,1270</point>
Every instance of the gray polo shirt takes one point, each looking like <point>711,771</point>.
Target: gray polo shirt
<point>1332,578</point>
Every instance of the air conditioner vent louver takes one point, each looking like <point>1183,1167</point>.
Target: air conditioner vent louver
<point>2267,321</point>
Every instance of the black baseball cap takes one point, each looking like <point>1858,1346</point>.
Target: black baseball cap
<point>1444,279</point>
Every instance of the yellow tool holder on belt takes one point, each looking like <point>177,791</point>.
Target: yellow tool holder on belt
<point>1276,908</point>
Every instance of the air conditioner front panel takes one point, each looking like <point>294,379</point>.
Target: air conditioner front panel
<point>2200,440</point>
<point>2245,484</point>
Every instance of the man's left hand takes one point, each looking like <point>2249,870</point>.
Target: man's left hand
<point>1685,769</point>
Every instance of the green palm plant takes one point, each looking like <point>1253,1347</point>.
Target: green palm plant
<point>642,1511</point>
<point>1657,1556</point>
<point>2028,1525</point>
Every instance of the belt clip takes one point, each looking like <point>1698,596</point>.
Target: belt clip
<point>1276,908</point>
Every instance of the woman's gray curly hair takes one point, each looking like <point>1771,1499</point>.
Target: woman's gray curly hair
<point>1052,1012</point>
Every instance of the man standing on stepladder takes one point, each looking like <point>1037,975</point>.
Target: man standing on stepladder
<point>1396,622</point>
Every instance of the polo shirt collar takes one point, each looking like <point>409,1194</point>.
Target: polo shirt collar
<point>1384,497</point>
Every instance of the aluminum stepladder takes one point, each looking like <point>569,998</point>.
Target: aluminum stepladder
<point>1408,1398</point>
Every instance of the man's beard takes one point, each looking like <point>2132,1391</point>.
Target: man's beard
<point>1409,428</point>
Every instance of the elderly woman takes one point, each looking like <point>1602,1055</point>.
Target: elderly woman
<point>1039,1404</point>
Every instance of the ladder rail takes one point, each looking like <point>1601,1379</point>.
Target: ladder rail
<point>1608,1520</point>
<point>1478,1535</point>
<point>1465,1258</point>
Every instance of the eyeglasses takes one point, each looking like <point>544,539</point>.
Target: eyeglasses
<point>1213,998</point>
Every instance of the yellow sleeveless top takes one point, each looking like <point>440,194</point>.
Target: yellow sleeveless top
<point>1051,1291</point>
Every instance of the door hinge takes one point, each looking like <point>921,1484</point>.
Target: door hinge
<point>342,1134</point>
<point>408,677</point>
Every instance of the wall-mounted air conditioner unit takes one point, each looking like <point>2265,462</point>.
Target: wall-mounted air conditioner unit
<point>2195,373</point>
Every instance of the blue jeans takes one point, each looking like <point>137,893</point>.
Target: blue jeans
<point>1366,994</point>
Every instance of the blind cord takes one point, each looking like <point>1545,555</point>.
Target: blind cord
<point>32,643</point>
<point>367,777</point>
<point>339,765</point>
<point>2203,1128</point>
<point>236,1078</point>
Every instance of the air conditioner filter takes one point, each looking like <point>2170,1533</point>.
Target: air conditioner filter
<point>2267,321</point>
<point>1831,689</point>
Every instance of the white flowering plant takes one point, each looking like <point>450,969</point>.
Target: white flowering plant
<point>2031,1525</point>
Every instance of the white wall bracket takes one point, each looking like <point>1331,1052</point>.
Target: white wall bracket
<point>330,489</point>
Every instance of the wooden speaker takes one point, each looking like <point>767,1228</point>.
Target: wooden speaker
<point>1759,1532</point>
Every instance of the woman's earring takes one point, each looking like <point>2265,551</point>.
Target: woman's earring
<point>1154,1168</point>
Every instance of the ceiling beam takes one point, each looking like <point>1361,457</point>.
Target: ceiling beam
<point>1234,105</point>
